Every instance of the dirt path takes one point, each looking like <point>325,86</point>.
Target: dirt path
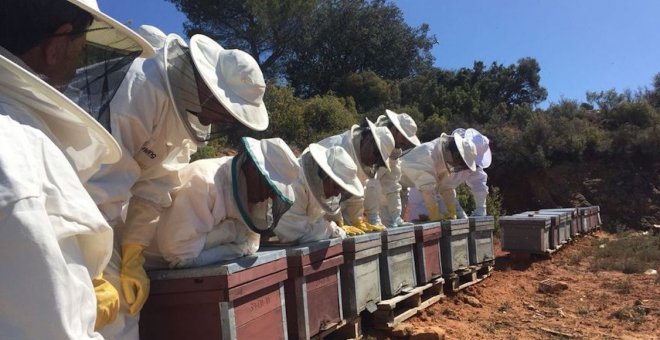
<point>595,305</point>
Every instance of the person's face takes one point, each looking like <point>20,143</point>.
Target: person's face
<point>369,154</point>
<point>258,189</point>
<point>62,56</point>
<point>330,187</point>
<point>400,141</point>
<point>212,111</point>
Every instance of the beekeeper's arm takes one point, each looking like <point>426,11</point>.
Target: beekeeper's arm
<point>301,224</point>
<point>477,181</point>
<point>390,183</point>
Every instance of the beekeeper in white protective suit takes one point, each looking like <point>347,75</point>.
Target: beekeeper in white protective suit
<point>224,204</point>
<point>326,173</point>
<point>382,201</point>
<point>53,240</point>
<point>426,167</point>
<point>476,180</point>
<point>164,108</point>
<point>370,147</point>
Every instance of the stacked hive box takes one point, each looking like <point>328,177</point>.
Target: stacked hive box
<point>397,262</point>
<point>313,289</point>
<point>480,240</point>
<point>563,222</point>
<point>454,245</point>
<point>240,299</point>
<point>572,219</point>
<point>554,240</point>
<point>427,251</point>
<point>360,274</point>
<point>525,233</point>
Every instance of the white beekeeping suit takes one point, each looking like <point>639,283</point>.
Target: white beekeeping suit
<point>320,168</point>
<point>382,201</point>
<point>363,142</point>
<point>53,240</point>
<point>164,109</point>
<point>476,180</point>
<point>68,229</point>
<point>212,218</point>
<point>426,166</point>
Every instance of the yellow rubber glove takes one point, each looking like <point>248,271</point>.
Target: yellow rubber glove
<point>107,302</point>
<point>350,230</point>
<point>134,280</point>
<point>451,212</point>
<point>434,212</point>
<point>365,226</point>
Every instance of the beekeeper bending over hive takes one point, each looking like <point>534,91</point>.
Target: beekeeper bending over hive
<point>326,174</point>
<point>370,148</point>
<point>382,201</point>
<point>224,204</point>
<point>428,166</point>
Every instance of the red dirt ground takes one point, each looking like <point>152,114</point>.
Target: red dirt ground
<point>512,307</point>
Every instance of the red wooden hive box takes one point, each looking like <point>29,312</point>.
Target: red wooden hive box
<point>313,291</point>
<point>238,299</point>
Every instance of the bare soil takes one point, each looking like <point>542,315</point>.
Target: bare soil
<point>604,304</point>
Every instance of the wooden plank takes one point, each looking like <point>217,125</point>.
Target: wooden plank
<point>412,303</point>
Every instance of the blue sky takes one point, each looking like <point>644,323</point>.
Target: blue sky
<point>581,45</point>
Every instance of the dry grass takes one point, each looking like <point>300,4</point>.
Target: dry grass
<point>631,253</point>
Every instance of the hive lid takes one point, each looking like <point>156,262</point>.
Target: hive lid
<point>221,268</point>
<point>524,220</point>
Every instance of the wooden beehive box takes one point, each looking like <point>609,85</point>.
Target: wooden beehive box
<point>360,274</point>
<point>525,233</point>
<point>573,220</point>
<point>238,299</point>
<point>427,252</point>
<point>454,245</point>
<point>554,241</point>
<point>312,289</point>
<point>585,220</point>
<point>480,240</point>
<point>397,261</point>
<point>562,220</point>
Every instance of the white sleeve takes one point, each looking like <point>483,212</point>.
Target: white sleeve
<point>45,294</point>
<point>477,181</point>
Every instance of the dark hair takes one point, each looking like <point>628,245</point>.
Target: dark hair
<point>24,24</point>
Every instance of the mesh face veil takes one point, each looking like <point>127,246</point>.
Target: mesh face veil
<point>192,98</point>
<point>315,176</point>
<point>102,70</point>
<point>261,217</point>
<point>451,155</point>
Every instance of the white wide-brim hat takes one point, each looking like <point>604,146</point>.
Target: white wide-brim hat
<point>384,141</point>
<point>90,143</point>
<point>339,165</point>
<point>482,143</point>
<point>121,37</point>
<point>276,163</point>
<point>467,150</point>
<point>234,78</point>
<point>405,124</point>
<point>153,35</point>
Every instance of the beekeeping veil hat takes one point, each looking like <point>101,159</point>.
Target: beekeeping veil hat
<point>85,142</point>
<point>458,152</point>
<point>279,167</point>
<point>481,142</point>
<point>404,123</point>
<point>383,141</point>
<point>206,78</point>
<point>109,52</point>
<point>153,35</point>
<point>334,162</point>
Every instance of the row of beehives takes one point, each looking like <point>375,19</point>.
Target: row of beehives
<point>547,230</point>
<point>309,290</point>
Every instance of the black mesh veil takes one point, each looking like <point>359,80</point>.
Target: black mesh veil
<point>98,79</point>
